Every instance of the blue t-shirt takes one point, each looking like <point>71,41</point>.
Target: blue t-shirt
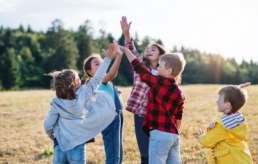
<point>107,87</point>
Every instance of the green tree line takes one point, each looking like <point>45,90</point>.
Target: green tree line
<point>25,55</point>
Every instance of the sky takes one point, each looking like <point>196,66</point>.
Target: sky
<point>227,27</point>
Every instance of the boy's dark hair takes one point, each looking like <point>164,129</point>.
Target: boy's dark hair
<point>162,51</point>
<point>64,83</point>
<point>236,96</point>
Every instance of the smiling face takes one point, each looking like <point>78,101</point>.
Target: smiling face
<point>152,53</point>
<point>95,63</point>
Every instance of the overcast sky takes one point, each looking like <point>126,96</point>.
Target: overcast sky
<point>228,27</point>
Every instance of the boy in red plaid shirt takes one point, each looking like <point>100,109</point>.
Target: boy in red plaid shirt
<point>165,106</point>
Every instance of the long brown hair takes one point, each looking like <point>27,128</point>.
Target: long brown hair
<point>87,66</point>
<point>162,51</point>
<point>64,83</point>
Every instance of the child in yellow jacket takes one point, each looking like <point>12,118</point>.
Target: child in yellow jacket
<point>225,137</point>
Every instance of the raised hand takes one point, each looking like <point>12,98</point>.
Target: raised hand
<point>111,51</point>
<point>118,48</point>
<point>124,25</point>
<point>244,85</point>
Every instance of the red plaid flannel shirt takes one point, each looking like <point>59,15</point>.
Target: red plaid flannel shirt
<point>138,99</point>
<point>166,101</point>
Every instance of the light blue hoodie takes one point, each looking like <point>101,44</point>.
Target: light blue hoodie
<point>74,122</point>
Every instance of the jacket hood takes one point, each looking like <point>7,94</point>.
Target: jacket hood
<point>235,124</point>
<point>74,106</point>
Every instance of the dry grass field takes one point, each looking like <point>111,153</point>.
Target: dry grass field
<point>23,139</point>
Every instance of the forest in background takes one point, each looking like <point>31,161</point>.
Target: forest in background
<point>25,55</point>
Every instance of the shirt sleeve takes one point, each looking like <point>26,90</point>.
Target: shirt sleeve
<point>131,47</point>
<point>50,122</point>
<point>212,137</point>
<point>145,74</point>
<point>179,115</point>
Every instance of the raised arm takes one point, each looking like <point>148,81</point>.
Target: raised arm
<point>145,75</point>
<point>99,75</point>
<point>126,28</point>
<point>211,138</point>
<point>114,69</point>
<point>244,85</point>
<point>128,41</point>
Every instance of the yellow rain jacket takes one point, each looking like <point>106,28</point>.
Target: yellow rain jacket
<point>228,144</point>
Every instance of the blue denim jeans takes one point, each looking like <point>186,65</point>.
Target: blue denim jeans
<point>75,156</point>
<point>113,134</point>
<point>142,139</point>
<point>113,141</point>
<point>164,148</point>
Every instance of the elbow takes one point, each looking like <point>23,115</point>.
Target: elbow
<point>112,75</point>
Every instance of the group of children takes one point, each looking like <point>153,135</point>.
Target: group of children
<point>80,112</point>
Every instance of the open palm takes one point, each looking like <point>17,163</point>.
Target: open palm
<point>117,47</point>
<point>124,25</point>
<point>111,51</point>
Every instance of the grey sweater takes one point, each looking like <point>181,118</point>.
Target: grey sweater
<point>74,122</point>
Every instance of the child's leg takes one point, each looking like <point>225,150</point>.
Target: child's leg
<point>112,141</point>
<point>142,139</point>
<point>77,155</point>
<point>59,156</point>
<point>174,156</point>
<point>160,146</point>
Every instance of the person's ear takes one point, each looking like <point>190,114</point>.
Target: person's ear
<point>228,105</point>
<point>169,71</point>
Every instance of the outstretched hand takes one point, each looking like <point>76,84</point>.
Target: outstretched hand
<point>111,51</point>
<point>124,25</point>
<point>244,85</point>
<point>118,48</point>
<point>201,132</point>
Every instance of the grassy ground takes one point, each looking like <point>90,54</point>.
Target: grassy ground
<point>23,139</point>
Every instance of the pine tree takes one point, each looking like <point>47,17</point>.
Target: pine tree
<point>9,39</point>
<point>83,44</point>
<point>9,70</point>
<point>29,30</point>
<point>159,42</point>
<point>65,50</point>
<point>21,28</point>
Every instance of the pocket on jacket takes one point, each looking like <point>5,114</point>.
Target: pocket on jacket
<point>223,156</point>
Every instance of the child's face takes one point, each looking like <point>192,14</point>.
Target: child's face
<point>152,53</point>
<point>223,106</point>
<point>95,63</point>
<point>163,71</point>
<point>78,82</point>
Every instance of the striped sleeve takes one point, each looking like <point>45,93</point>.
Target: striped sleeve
<point>130,45</point>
